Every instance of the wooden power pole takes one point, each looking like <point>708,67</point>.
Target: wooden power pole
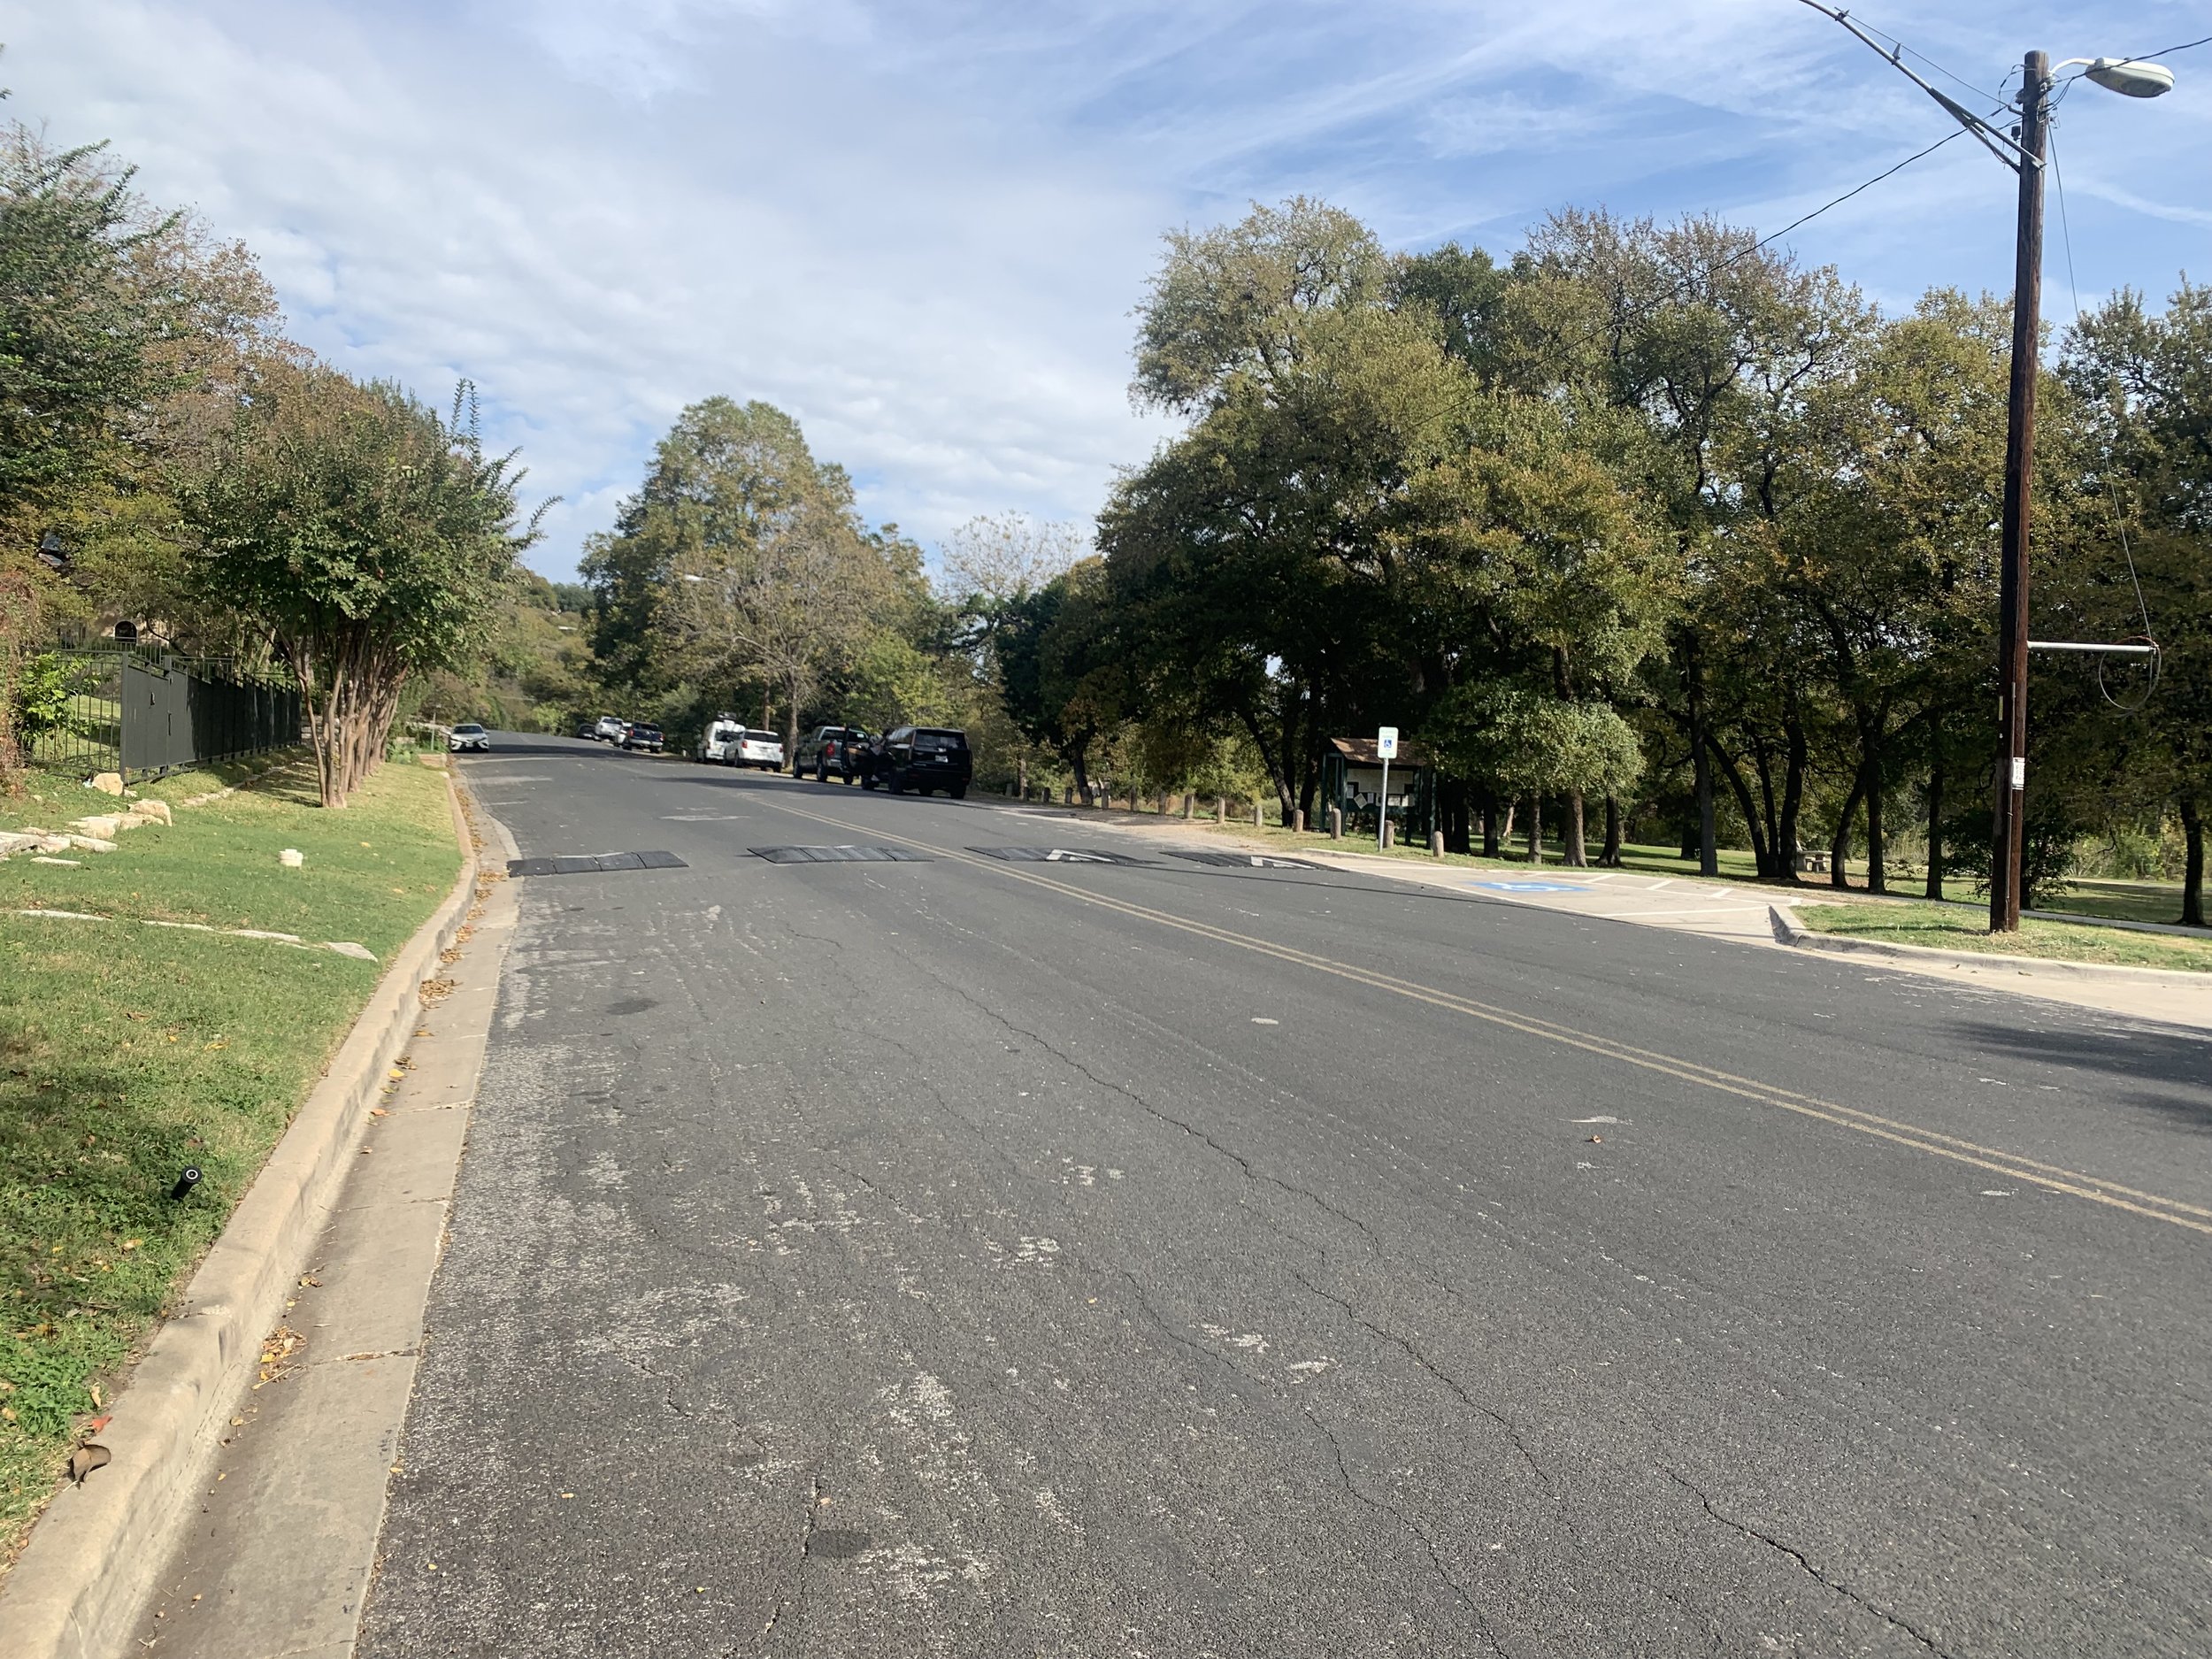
<point>2012,606</point>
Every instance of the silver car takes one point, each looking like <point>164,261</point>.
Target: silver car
<point>469,736</point>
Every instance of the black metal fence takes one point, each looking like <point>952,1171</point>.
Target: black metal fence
<point>141,713</point>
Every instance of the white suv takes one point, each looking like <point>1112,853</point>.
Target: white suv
<point>611,730</point>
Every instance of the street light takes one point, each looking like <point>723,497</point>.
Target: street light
<point>2023,150</point>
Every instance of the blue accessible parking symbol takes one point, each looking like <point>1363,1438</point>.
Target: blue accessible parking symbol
<point>1531,886</point>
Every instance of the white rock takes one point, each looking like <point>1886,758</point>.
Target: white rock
<point>85,844</point>
<point>72,863</point>
<point>12,843</point>
<point>157,811</point>
<point>347,948</point>
<point>291,859</point>
<point>106,782</point>
<point>104,825</point>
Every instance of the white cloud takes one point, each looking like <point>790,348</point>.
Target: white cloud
<point>920,226</point>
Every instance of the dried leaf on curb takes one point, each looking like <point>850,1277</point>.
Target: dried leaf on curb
<point>279,1352</point>
<point>86,1458</point>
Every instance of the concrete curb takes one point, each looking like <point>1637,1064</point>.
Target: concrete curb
<point>95,1555</point>
<point>1788,931</point>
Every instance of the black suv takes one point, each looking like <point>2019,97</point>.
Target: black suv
<point>922,758</point>
<point>644,737</point>
<point>830,751</point>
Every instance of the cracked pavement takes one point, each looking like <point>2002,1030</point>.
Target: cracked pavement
<point>913,1258</point>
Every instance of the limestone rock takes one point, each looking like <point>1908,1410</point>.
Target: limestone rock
<point>158,812</point>
<point>108,782</point>
<point>291,859</point>
<point>86,844</point>
<point>102,825</point>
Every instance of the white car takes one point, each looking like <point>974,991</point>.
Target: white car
<point>763,749</point>
<point>611,730</point>
<point>470,736</point>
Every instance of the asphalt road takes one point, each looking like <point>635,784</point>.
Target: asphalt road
<point>969,1257</point>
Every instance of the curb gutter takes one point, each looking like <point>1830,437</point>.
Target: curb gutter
<point>95,1553</point>
<point>1787,931</point>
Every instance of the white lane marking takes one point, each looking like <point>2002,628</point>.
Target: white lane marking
<point>1998,1191</point>
<point>1261,1020</point>
<point>1597,1121</point>
<point>1655,886</point>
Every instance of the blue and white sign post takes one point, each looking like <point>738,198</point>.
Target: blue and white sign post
<point>1386,747</point>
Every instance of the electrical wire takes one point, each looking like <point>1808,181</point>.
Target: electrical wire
<point>2168,51</point>
<point>2150,685</point>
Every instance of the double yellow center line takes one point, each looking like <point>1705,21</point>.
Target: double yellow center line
<point>2009,1165</point>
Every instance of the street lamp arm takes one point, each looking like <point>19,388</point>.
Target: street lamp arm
<point>2001,144</point>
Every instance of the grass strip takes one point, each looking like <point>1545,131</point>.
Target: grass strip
<point>1943,927</point>
<point>127,1052</point>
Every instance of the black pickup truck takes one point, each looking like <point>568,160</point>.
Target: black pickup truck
<point>920,758</point>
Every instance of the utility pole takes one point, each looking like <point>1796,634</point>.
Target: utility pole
<point>2012,604</point>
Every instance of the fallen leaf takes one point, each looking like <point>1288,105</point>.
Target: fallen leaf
<point>98,1423</point>
<point>86,1458</point>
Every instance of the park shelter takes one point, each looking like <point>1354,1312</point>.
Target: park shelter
<point>1352,781</point>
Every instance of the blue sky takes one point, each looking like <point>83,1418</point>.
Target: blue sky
<point>920,224</point>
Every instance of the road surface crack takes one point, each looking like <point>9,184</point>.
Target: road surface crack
<point>1407,1523</point>
<point>1458,1390</point>
<point>1810,1570</point>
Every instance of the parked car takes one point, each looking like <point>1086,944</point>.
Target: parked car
<point>589,729</point>
<point>923,758</point>
<point>718,743</point>
<point>469,735</point>
<point>639,736</point>
<point>757,748</point>
<point>830,751</point>
<point>611,729</point>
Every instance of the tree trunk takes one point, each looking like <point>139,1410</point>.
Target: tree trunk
<point>1935,810</point>
<point>1611,856</point>
<point>1576,858</point>
<point>1452,808</point>
<point>1839,847</point>
<point>1707,843</point>
<point>791,721</point>
<point>2192,866</point>
<point>1760,859</point>
<point>1876,876</point>
<point>1490,841</point>
<point>1505,830</point>
<point>1792,789</point>
<point>1536,829</point>
<point>1075,758</point>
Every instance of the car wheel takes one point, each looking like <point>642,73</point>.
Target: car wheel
<point>961,794</point>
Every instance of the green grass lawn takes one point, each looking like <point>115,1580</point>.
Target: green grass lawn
<point>1947,928</point>
<point>127,1052</point>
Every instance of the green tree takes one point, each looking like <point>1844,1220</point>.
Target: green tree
<point>364,537</point>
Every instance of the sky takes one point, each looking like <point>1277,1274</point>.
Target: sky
<point>921,225</point>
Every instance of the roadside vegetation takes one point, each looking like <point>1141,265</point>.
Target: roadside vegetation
<point>1944,928</point>
<point>179,479</point>
<point>129,1051</point>
<point>1643,534</point>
